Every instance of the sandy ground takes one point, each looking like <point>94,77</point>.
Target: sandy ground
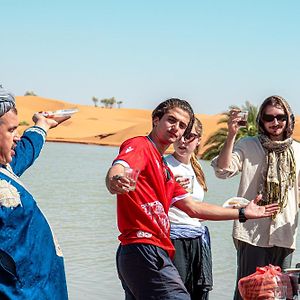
<point>103,126</point>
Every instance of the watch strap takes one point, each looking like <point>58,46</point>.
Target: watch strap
<point>242,216</point>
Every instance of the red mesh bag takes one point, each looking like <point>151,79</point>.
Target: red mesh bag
<point>261,284</point>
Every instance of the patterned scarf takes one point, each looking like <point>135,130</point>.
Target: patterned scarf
<point>279,171</point>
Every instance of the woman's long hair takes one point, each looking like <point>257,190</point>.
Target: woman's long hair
<point>194,158</point>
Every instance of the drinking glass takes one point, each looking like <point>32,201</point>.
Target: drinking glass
<point>280,292</point>
<point>190,185</point>
<point>244,117</point>
<point>132,175</point>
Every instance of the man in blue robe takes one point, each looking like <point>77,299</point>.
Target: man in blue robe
<point>31,261</point>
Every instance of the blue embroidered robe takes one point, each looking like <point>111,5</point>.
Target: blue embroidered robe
<point>31,262</point>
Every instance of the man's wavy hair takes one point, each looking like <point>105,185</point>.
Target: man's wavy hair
<point>280,102</point>
<point>171,103</point>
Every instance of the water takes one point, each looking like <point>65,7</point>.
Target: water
<point>68,182</point>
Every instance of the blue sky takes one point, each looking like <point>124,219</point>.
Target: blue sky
<point>212,53</point>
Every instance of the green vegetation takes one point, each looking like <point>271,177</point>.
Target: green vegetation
<point>30,93</point>
<point>24,123</point>
<point>108,102</point>
<point>96,101</point>
<point>216,141</point>
<point>119,103</point>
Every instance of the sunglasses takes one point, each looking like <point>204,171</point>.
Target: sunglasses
<point>190,137</point>
<point>271,118</point>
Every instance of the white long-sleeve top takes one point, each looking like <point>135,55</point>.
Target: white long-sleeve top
<point>248,157</point>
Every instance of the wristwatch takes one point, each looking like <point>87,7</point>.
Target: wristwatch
<point>242,217</point>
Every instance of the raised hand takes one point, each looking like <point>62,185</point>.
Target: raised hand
<point>47,123</point>
<point>232,122</point>
<point>183,181</point>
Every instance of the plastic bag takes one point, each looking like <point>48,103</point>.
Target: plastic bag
<point>261,284</point>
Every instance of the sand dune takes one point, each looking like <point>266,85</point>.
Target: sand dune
<point>102,126</point>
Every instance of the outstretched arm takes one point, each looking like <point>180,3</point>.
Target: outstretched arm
<point>207,211</point>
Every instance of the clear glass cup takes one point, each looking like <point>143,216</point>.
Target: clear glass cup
<point>294,282</point>
<point>280,292</point>
<point>244,118</point>
<point>190,185</point>
<point>132,175</point>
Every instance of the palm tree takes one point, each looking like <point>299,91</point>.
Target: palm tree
<point>108,102</point>
<point>111,102</point>
<point>95,100</point>
<point>119,103</point>
<point>104,102</point>
<point>216,141</point>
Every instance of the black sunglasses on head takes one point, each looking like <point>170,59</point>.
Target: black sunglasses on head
<point>271,118</point>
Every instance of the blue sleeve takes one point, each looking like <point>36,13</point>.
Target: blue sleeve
<point>28,149</point>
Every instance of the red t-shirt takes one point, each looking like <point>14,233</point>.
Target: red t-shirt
<point>143,213</point>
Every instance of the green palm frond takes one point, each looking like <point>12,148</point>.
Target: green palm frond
<point>216,141</point>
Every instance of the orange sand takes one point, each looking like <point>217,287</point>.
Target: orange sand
<point>102,126</point>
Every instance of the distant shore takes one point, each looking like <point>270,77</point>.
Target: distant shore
<point>103,126</point>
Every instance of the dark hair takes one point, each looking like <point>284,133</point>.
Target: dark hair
<point>194,159</point>
<point>171,103</point>
<point>279,102</point>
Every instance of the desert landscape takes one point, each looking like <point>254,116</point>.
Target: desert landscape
<point>102,126</point>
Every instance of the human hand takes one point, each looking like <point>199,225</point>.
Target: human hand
<point>233,121</point>
<point>254,211</point>
<point>47,123</point>
<point>52,120</point>
<point>183,181</point>
<point>118,184</point>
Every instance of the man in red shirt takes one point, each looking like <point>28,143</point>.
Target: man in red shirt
<point>144,257</point>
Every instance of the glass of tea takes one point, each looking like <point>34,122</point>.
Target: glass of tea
<point>243,115</point>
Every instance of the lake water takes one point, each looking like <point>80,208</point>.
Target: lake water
<point>68,184</point>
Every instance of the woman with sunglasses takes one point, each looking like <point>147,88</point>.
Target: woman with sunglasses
<point>189,236</point>
<point>269,164</point>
